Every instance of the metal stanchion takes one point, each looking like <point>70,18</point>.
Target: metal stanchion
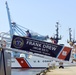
<point>5,63</point>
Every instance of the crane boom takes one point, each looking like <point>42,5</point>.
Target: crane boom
<point>15,29</point>
<point>9,18</point>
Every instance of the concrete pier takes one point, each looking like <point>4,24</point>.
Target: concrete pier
<point>66,71</point>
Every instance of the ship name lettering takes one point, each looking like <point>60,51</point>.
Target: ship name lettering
<point>33,43</point>
<point>47,46</point>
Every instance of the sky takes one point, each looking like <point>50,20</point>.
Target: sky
<point>40,16</point>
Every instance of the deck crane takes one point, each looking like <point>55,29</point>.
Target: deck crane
<point>16,29</point>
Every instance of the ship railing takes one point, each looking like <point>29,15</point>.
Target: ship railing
<point>5,39</point>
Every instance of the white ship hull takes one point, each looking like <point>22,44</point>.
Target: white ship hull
<point>35,62</point>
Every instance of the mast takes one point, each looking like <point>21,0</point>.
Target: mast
<point>57,33</point>
<point>57,37</point>
<point>71,40</point>
<point>70,35</point>
<point>9,18</point>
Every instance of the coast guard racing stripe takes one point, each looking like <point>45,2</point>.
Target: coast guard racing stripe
<point>22,62</point>
<point>65,53</point>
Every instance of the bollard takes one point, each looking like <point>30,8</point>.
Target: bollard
<point>5,63</point>
<point>61,65</point>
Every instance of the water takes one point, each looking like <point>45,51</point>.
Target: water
<point>25,71</point>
